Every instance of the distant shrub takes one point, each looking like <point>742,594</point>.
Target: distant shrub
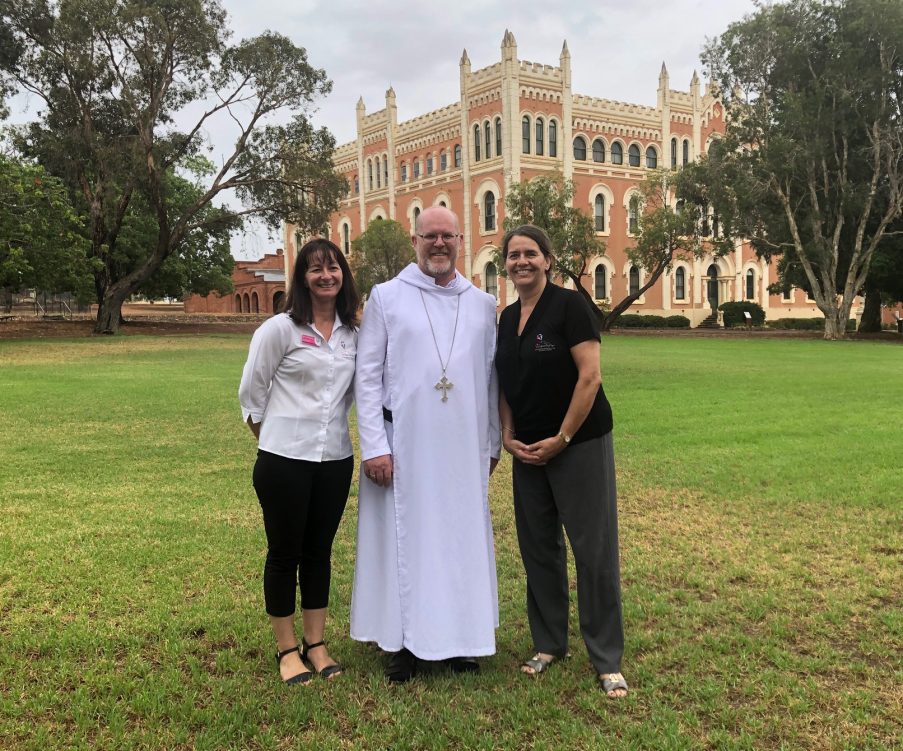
<point>629,321</point>
<point>640,321</point>
<point>733,313</point>
<point>806,324</point>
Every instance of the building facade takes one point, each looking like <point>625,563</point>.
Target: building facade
<point>259,288</point>
<point>516,120</point>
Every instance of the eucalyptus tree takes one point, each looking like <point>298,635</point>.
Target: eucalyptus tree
<point>813,155</point>
<point>129,89</point>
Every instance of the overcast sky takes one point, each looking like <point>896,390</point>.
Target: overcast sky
<point>616,47</point>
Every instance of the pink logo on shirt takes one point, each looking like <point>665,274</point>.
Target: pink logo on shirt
<point>309,340</point>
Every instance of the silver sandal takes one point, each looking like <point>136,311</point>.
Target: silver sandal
<point>612,682</point>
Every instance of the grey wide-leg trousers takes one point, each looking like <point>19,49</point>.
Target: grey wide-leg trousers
<point>577,490</point>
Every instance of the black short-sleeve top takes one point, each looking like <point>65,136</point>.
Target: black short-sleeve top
<point>536,370</point>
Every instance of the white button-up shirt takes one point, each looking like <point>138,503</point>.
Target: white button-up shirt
<point>299,386</point>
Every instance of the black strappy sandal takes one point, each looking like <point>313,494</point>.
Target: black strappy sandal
<point>329,670</point>
<point>303,677</point>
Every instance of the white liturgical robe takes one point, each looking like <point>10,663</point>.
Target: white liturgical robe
<point>425,575</point>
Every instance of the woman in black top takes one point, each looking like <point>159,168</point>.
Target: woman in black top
<point>556,423</point>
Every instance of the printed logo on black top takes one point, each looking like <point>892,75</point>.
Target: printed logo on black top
<point>542,346</point>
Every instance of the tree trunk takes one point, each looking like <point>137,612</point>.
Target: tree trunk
<point>109,314</point>
<point>836,323</point>
<point>871,313</point>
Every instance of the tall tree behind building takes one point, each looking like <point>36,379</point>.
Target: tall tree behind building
<point>115,76</point>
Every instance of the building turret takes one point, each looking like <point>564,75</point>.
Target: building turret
<point>509,46</point>
<point>663,87</point>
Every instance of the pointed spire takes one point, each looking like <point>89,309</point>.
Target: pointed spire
<point>390,92</point>
<point>664,70</point>
<point>564,49</point>
<point>360,104</point>
<point>694,81</point>
<point>464,59</point>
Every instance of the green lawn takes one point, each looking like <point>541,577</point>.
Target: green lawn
<point>761,512</point>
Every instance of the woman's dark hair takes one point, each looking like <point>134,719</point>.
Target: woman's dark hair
<point>537,235</point>
<point>298,303</point>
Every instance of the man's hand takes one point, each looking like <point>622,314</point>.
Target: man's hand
<point>379,470</point>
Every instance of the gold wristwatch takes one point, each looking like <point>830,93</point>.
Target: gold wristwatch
<point>564,437</point>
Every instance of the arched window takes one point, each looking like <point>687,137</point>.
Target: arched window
<point>600,214</point>
<point>443,161</point>
<point>346,239</point>
<point>617,153</point>
<point>277,301</point>
<point>580,149</point>
<point>443,204</point>
<point>540,135</point>
<point>386,171</point>
<point>476,143</point>
<point>246,304</point>
<point>553,138</point>
<point>598,151</point>
<point>634,280</point>
<point>489,211</point>
<point>377,172</point>
<point>673,153</point>
<point>491,277</point>
<point>633,216</point>
<point>633,155</point>
<point>357,185</point>
<point>369,175</point>
<point>525,134</point>
<point>429,165</point>
<point>686,154</point>
<point>487,133</point>
<point>416,168</point>
<point>415,214</point>
<point>457,155</point>
<point>651,158</point>
<point>599,291</point>
<point>680,283</point>
<point>238,303</point>
<point>255,303</point>
<point>750,285</point>
<point>498,136</point>
<point>404,172</point>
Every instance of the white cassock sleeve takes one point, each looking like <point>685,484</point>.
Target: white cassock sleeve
<point>372,342</point>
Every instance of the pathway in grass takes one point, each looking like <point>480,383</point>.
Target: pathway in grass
<point>761,548</point>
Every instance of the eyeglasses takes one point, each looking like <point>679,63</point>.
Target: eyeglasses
<point>432,237</point>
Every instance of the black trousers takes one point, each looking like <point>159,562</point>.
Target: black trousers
<point>302,505</point>
<point>575,490</point>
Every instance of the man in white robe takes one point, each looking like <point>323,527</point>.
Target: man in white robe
<point>426,395</point>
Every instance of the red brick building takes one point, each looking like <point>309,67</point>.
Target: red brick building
<point>516,120</point>
<point>259,288</point>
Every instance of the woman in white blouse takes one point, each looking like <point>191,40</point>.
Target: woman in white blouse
<point>295,394</point>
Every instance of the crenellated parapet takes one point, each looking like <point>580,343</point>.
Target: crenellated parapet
<point>612,107</point>
<point>540,70</point>
<point>409,143</point>
<point>484,75</point>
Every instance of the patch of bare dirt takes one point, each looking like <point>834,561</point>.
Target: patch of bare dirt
<point>168,324</point>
